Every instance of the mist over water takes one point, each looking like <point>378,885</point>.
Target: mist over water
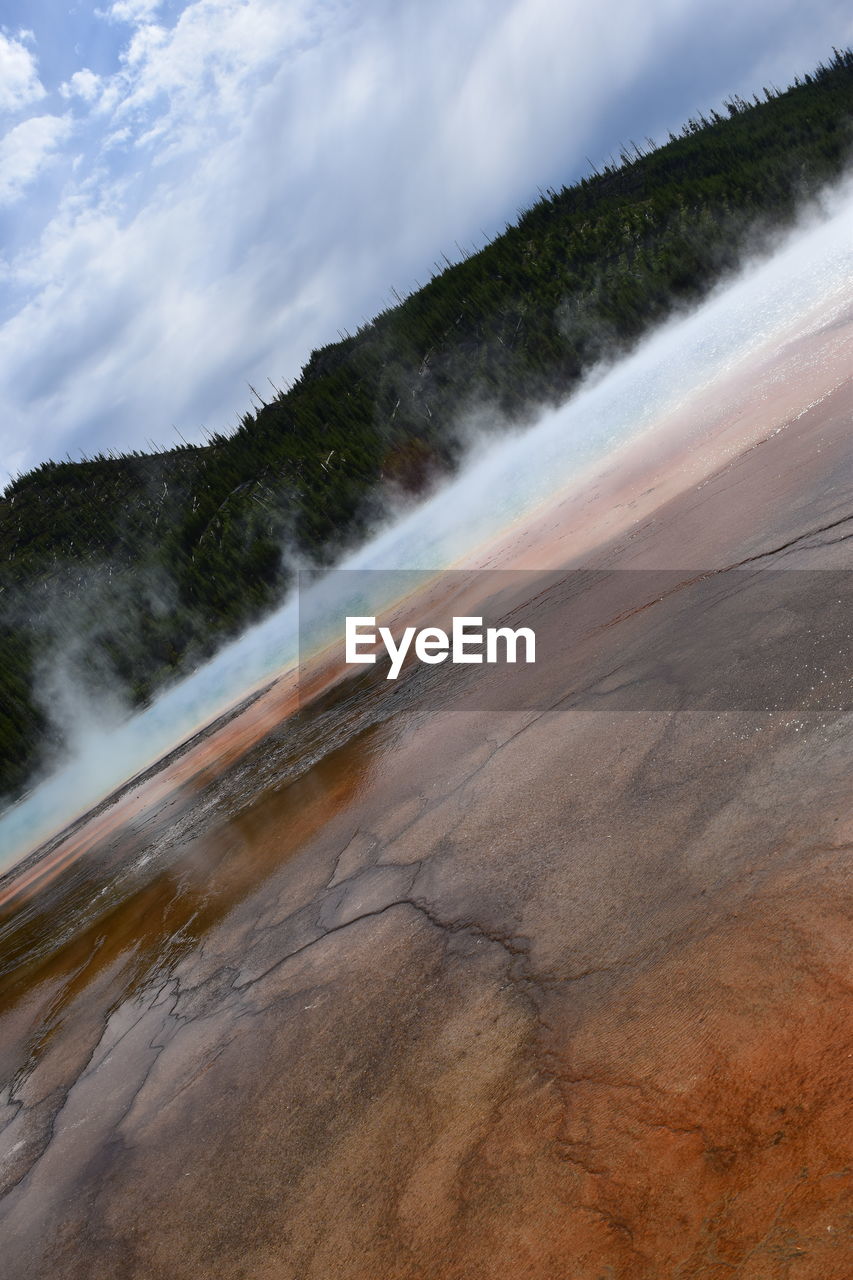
<point>501,482</point>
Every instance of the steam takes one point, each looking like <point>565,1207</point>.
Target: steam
<point>499,484</point>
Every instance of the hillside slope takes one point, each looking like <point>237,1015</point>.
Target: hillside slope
<point>132,568</point>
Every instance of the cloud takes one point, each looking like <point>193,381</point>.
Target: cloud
<point>202,77</point>
<point>133,11</point>
<point>19,81</point>
<point>254,176</point>
<point>26,151</point>
<point>83,84</point>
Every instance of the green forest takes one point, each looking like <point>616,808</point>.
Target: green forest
<point>135,567</point>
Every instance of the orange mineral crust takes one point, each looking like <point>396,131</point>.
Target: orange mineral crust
<point>554,993</point>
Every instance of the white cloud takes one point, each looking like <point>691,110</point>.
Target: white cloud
<point>83,84</point>
<point>26,151</point>
<point>133,11</point>
<point>19,82</point>
<point>185,83</point>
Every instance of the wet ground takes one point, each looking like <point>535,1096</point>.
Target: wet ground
<point>439,983</point>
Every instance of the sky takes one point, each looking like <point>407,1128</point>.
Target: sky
<point>194,195</point>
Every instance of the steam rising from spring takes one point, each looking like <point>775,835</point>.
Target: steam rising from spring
<point>501,483</point>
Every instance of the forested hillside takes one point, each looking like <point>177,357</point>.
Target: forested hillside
<point>134,567</point>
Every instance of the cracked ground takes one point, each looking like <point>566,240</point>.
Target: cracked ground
<point>558,993</point>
